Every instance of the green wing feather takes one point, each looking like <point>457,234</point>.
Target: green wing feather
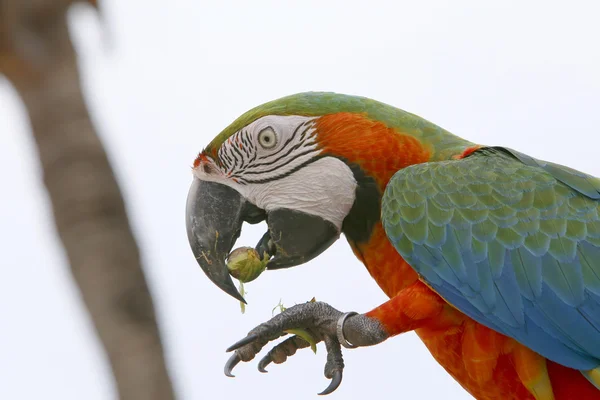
<point>511,241</point>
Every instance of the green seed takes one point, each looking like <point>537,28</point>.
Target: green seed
<point>244,264</point>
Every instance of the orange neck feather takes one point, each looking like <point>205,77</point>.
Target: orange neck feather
<point>380,152</point>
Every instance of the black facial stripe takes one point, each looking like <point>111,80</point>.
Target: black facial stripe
<point>288,173</point>
<point>284,145</point>
<point>295,147</point>
<point>309,125</point>
<point>227,153</point>
<point>279,166</point>
<point>245,148</point>
<point>224,165</point>
<point>235,161</point>
<point>218,160</point>
<point>226,160</point>
<point>238,161</point>
<point>309,141</point>
<point>252,144</point>
<point>241,159</point>
<point>245,139</point>
<point>253,158</point>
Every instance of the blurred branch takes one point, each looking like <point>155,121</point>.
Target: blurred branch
<point>37,56</point>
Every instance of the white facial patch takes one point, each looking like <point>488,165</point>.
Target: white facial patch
<point>325,187</point>
<point>285,174</point>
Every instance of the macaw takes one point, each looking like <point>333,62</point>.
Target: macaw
<point>491,256</point>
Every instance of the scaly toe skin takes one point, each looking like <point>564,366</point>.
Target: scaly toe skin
<point>317,319</point>
<point>282,351</point>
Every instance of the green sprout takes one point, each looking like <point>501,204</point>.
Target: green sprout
<point>303,334</point>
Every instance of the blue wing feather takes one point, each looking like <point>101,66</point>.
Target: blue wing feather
<point>515,245</point>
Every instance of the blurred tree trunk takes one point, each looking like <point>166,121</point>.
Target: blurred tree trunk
<point>37,56</point>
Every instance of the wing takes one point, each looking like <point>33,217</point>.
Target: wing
<point>511,241</point>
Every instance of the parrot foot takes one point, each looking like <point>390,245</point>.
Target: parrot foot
<point>323,322</point>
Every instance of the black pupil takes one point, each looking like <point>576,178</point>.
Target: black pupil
<point>267,139</point>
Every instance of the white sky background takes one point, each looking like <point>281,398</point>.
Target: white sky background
<point>169,75</point>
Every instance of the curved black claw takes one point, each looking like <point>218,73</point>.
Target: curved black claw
<point>336,380</point>
<point>230,365</point>
<point>334,365</point>
<point>262,364</point>
<point>248,339</point>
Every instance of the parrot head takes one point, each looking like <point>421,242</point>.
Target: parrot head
<point>313,165</point>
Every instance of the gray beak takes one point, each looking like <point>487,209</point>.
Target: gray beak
<point>214,217</point>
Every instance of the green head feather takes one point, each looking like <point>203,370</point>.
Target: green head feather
<point>323,103</point>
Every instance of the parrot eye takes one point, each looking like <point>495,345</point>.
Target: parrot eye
<point>267,138</point>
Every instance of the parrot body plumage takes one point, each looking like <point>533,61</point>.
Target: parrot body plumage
<point>491,256</point>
